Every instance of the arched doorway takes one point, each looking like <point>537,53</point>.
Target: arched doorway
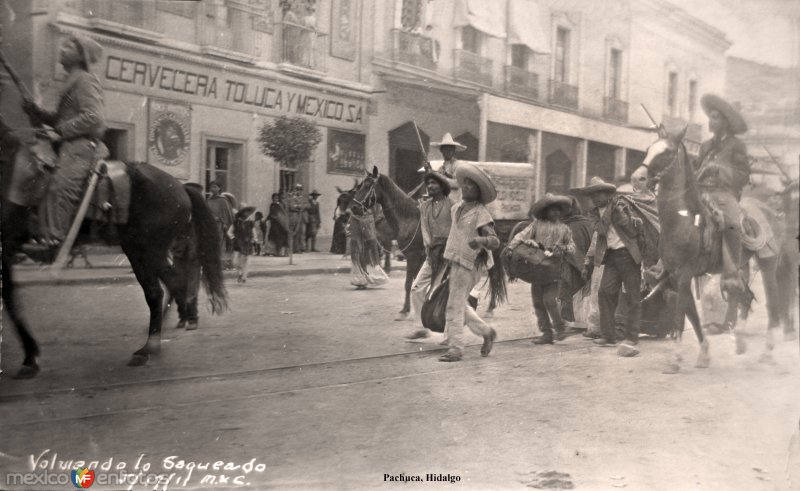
<point>405,156</point>
<point>471,153</point>
<point>558,172</point>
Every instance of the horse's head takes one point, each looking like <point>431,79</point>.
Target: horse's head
<point>366,194</point>
<point>662,154</point>
<point>346,196</point>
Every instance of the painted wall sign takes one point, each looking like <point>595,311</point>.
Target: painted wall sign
<point>169,135</point>
<point>346,152</point>
<point>247,93</point>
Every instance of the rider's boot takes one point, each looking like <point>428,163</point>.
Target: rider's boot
<point>731,281</point>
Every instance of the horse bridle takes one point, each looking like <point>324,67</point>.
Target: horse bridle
<point>370,198</point>
<point>369,201</point>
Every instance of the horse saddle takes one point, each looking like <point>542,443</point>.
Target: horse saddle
<point>754,228</point>
<point>112,196</point>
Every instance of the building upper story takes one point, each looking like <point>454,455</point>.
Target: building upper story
<point>600,60</point>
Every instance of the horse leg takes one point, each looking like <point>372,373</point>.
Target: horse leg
<point>29,368</point>
<point>679,318</point>
<point>703,358</point>
<point>147,271</point>
<point>768,276</point>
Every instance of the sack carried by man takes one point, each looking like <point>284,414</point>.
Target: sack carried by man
<point>531,265</point>
<point>434,309</point>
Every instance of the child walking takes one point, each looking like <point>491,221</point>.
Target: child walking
<point>241,233</point>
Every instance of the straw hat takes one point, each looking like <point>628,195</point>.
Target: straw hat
<point>540,207</point>
<point>447,139</point>
<point>596,184</point>
<point>478,176</point>
<point>315,193</point>
<point>735,120</point>
<point>438,177</point>
<point>195,186</point>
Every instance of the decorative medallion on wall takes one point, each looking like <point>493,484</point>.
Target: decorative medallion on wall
<point>169,136</point>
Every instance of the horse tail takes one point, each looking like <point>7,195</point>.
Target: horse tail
<point>498,293</point>
<point>208,251</point>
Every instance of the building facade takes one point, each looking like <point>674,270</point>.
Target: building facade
<point>556,84</point>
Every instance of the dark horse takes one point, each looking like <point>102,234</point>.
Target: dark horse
<point>683,220</point>
<point>402,223</point>
<point>161,211</point>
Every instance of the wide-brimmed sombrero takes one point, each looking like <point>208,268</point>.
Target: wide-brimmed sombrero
<point>315,193</point>
<point>447,139</point>
<point>438,177</point>
<point>596,184</point>
<point>478,176</point>
<point>540,207</point>
<point>735,120</point>
<point>246,211</point>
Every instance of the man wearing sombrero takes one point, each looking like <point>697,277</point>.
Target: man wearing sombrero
<point>548,232</point>
<point>435,220</point>
<point>723,172</point>
<point>314,221</point>
<point>614,246</point>
<point>448,148</point>
<point>472,237</point>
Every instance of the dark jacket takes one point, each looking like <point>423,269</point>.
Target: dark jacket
<point>614,214</point>
<point>723,164</point>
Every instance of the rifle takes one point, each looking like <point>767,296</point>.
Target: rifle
<point>26,94</point>
<point>425,164</point>
<point>777,164</point>
<point>662,132</point>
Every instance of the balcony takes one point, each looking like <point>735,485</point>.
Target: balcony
<point>302,47</point>
<point>522,82</point>
<point>414,49</point>
<point>615,109</point>
<point>563,95</point>
<point>473,68</point>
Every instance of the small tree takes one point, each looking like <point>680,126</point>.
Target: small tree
<point>290,143</point>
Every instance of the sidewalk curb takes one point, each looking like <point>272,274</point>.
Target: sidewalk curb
<point>129,278</point>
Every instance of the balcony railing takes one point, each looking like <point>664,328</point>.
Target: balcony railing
<point>615,109</point>
<point>414,49</point>
<point>302,46</point>
<point>522,82</point>
<point>563,95</point>
<point>472,67</point>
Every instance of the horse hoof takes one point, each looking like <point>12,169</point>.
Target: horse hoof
<point>138,360</point>
<point>488,314</point>
<point>27,371</point>
<point>703,361</point>
<point>671,369</point>
<point>741,346</point>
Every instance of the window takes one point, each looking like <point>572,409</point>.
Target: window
<point>116,140</point>
<point>615,74</point>
<point>471,40</point>
<point>672,94</point>
<point>224,165</point>
<point>692,99</point>
<point>411,15</point>
<point>519,56</point>
<point>562,55</point>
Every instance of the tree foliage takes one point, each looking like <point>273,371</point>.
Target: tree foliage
<point>289,141</point>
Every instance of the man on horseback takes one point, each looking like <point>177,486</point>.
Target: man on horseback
<point>448,148</point>
<point>79,123</point>
<point>723,171</point>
